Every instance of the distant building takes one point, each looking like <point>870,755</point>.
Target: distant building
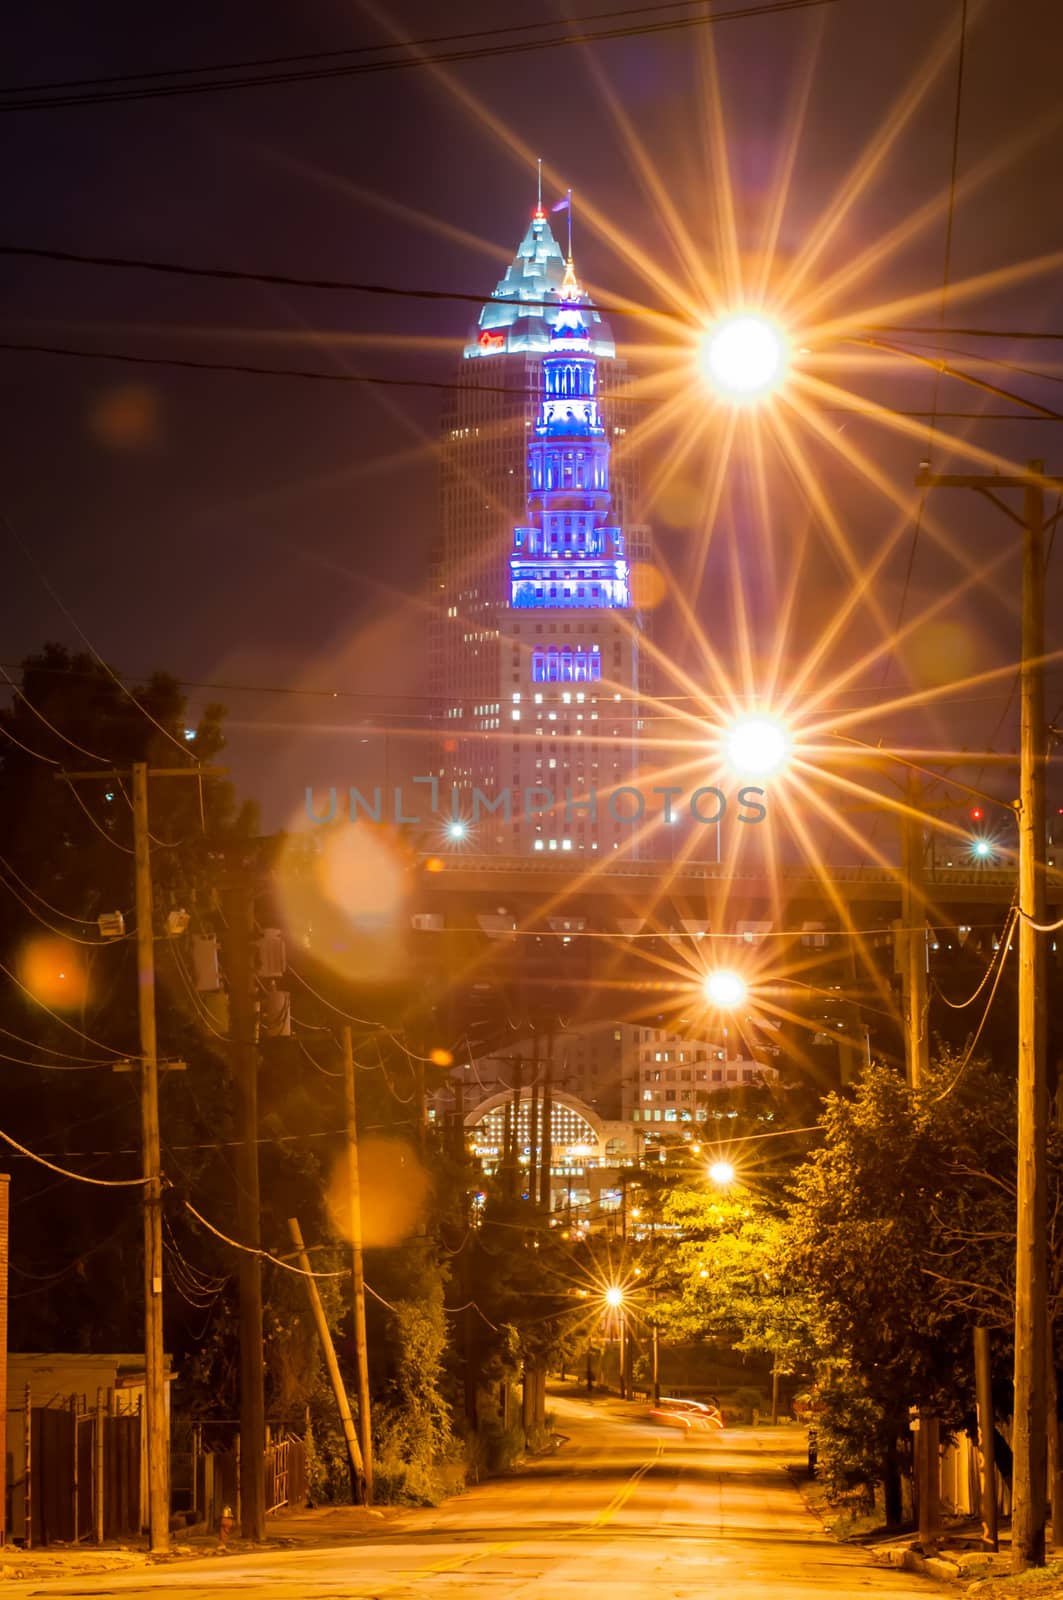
<point>502,431</point>
<point>623,1073</point>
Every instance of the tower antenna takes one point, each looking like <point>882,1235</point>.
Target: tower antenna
<point>539,207</point>
<point>570,224</point>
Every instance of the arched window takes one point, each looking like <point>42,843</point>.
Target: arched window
<point>538,667</point>
<point>551,663</point>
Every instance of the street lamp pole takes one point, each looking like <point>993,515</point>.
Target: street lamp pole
<point>1030,1438</point>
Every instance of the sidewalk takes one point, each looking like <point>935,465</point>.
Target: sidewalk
<point>317,1527</point>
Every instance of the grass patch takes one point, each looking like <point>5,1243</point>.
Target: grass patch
<point>1036,1583</point>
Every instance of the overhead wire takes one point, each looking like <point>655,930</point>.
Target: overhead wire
<point>56,599</point>
<point>64,1172</point>
<point>254,1250</point>
<point>335,53</point>
<point>85,922</point>
<point>413,59</point>
<point>318,375</point>
<point>52,761</point>
<point>973,1045</point>
<point>1006,932</point>
<point>100,829</point>
<point>63,933</point>
<point>97,1043</point>
<point>80,748</point>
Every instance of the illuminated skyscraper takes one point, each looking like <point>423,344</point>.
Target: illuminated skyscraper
<point>484,493</point>
<point>569,667</point>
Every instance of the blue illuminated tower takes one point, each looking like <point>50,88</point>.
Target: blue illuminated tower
<point>569,658</point>
<point>491,444</point>
<point>568,555</point>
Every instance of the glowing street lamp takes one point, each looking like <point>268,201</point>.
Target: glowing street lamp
<point>755,746</point>
<point>614,1296</point>
<point>723,1173</point>
<point>457,830</point>
<point>724,989</point>
<point>744,357</point>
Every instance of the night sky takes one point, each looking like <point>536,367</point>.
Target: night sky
<point>247,531</point>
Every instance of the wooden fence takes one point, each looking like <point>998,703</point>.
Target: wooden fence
<point>75,1472</point>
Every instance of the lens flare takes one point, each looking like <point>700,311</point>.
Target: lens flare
<point>393,1190</point>
<point>744,357</point>
<point>54,972</point>
<point>756,746</point>
<point>725,989</point>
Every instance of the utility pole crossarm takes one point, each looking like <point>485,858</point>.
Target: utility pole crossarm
<point>924,479</point>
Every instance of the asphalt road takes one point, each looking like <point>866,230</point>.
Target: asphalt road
<point>625,1510</point>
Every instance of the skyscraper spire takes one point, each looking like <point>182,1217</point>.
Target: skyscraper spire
<point>539,212</point>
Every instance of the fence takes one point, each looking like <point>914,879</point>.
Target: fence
<point>207,1479</point>
<point>74,1471</point>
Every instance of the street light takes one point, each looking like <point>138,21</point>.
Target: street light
<point>755,746</point>
<point>744,357</point>
<point>723,1173</point>
<point>724,989</point>
<point>614,1299</point>
<point>457,829</point>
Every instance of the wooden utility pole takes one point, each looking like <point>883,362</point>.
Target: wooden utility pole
<point>361,1347</point>
<point>328,1350</point>
<point>913,936</point>
<point>243,1049</point>
<point>1029,1435</point>
<point>547,1136</point>
<point>1030,1439</point>
<point>987,1471</point>
<point>158,1433</point>
<point>156,1414</point>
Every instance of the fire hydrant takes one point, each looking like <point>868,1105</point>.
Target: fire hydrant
<point>225,1526</point>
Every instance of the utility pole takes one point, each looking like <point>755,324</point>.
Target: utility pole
<point>158,1440</point>
<point>357,1274</point>
<point>1030,1435</point>
<point>243,1049</point>
<point>157,1425</point>
<point>328,1350</point>
<point>913,936</point>
<point>546,1156</point>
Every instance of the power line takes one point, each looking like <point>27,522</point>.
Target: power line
<point>118,1054</point>
<point>118,95</point>
<point>295,281</point>
<point>329,55</point>
<point>56,599</point>
<point>317,375</point>
<point>253,1250</point>
<point>64,1172</point>
<point>85,922</point>
<point>155,264</point>
<point>430,700</point>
